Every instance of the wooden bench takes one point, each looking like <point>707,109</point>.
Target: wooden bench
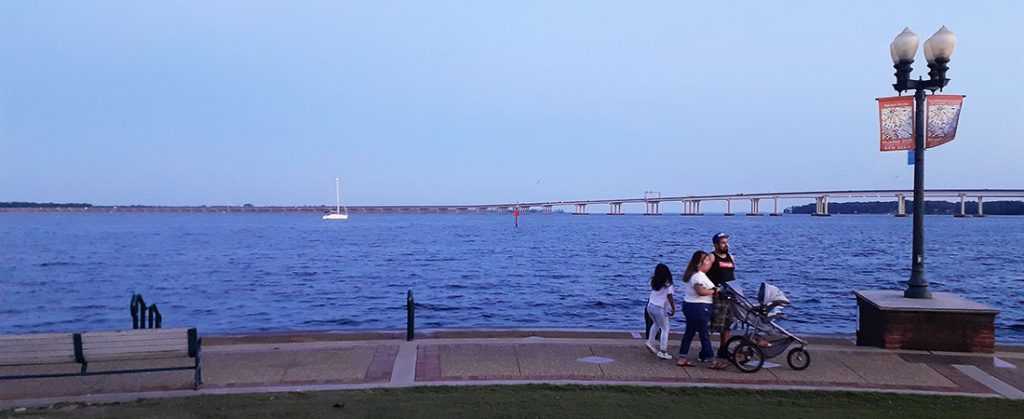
<point>33,350</point>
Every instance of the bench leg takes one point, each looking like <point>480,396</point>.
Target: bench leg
<point>199,370</point>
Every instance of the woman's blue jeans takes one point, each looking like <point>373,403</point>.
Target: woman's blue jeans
<point>698,320</point>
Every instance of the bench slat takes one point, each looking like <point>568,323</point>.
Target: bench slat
<point>139,345</point>
<point>91,341</point>
<point>35,353</point>
<point>30,347</point>
<point>137,334</point>
<point>99,346</point>
<point>39,343</point>
<point>115,339</point>
<point>107,351</point>
<point>12,362</point>
<point>37,359</point>
<point>129,356</point>
<point>6,359</point>
<point>87,338</point>
<point>17,345</point>
<point>35,337</point>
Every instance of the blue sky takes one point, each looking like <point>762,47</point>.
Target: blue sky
<point>232,102</point>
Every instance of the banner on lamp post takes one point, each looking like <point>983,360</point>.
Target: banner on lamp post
<point>896,123</point>
<point>943,115</point>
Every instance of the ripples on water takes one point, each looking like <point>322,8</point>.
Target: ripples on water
<point>261,272</point>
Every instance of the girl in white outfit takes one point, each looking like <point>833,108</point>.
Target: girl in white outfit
<point>660,306</point>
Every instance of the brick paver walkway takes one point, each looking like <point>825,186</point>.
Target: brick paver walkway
<point>315,361</point>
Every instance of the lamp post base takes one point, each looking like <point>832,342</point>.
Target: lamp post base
<point>947,322</point>
<point>917,292</point>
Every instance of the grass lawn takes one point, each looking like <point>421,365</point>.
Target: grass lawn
<point>529,401</point>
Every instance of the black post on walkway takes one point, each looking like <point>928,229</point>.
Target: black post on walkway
<point>903,50</point>
<point>917,287</point>
<point>410,308</point>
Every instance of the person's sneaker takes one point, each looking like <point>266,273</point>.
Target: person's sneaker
<point>650,347</point>
<point>664,355</point>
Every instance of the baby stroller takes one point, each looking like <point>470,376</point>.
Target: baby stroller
<point>761,337</point>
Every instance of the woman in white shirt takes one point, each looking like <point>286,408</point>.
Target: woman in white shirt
<point>660,306</point>
<point>697,307</point>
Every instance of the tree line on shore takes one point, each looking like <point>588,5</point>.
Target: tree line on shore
<point>930,207</point>
<point>43,205</point>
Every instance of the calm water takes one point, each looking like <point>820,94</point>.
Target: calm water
<point>273,272</point>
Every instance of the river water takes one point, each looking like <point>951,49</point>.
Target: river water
<point>253,272</point>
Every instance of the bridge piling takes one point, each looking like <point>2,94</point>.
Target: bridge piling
<point>822,206</point>
<point>753,207</point>
<point>653,208</point>
<point>963,213</point>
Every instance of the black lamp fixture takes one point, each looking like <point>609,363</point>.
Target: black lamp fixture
<point>938,49</point>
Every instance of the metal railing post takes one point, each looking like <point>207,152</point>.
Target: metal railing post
<point>142,312</point>
<point>139,311</point>
<point>133,309</point>
<point>159,318</point>
<point>410,308</point>
<point>155,319</point>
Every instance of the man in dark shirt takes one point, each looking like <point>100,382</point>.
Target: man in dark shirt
<point>722,271</point>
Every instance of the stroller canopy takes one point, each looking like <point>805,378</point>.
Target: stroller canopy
<point>771,294</point>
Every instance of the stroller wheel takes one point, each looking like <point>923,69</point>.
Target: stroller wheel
<point>798,359</point>
<point>732,344</point>
<point>748,356</point>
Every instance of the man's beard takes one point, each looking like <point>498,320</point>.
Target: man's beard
<point>723,249</point>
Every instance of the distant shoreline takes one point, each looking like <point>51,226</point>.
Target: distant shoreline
<point>837,208</point>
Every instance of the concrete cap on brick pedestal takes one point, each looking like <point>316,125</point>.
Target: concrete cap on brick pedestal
<point>940,301</point>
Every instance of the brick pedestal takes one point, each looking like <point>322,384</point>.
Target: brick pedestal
<point>946,322</point>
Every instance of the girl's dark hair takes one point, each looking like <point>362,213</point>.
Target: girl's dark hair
<point>691,268</point>
<point>662,276</point>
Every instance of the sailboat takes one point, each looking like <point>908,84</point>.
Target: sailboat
<point>337,214</point>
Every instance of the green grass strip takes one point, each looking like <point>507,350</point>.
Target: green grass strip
<point>545,401</point>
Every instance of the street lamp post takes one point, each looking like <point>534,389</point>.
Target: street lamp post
<point>937,51</point>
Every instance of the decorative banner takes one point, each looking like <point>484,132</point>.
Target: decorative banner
<point>896,122</point>
<point>943,115</point>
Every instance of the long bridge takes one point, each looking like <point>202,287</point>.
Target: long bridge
<point>691,204</point>
<point>652,204</point>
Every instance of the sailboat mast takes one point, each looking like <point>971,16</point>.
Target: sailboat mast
<point>337,195</point>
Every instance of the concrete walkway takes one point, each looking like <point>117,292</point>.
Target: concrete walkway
<point>327,361</point>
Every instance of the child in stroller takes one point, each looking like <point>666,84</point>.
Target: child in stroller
<point>762,338</point>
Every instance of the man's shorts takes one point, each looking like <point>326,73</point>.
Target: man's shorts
<point>723,314</point>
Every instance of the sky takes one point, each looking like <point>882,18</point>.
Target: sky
<point>478,102</point>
